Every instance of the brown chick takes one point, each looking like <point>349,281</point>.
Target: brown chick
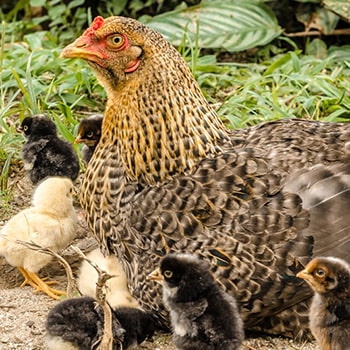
<point>329,278</point>
<point>168,176</point>
<point>50,222</point>
<point>89,133</point>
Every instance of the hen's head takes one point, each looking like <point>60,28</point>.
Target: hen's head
<point>116,47</point>
<point>155,111</point>
<point>327,274</point>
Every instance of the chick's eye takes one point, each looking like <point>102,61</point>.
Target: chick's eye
<point>116,40</point>
<point>320,273</point>
<point>25,128</point>
<point>168,274</point>
<point>90,134</point>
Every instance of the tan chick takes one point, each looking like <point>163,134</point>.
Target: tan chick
<point>329,278</point>
<point>117,294</point>
<point>50,222</point>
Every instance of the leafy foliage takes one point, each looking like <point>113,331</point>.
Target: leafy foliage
<point>233,25</point>
<point>309,82</point>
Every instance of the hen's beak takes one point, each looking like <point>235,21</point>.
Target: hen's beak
<point>155,276</point>
<point>82,48</point>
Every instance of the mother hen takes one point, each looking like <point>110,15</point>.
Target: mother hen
<point>168,176</point>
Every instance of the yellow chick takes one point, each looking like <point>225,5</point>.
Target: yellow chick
<point>50,222</point>
<point>117,294</point>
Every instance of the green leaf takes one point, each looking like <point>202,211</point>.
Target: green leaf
<point>234,25</point>
<point>327,20</point>
<point>317,48</point>
<point>340,7</point>
<point>317,17</point>
<point>37,3</point>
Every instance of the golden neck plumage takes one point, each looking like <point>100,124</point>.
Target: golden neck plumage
<point>163,124</point>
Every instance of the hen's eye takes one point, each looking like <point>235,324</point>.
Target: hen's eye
<point>168,273</point>
<point>320,273</point>
<point>25,128</point>
<point>116,40</point>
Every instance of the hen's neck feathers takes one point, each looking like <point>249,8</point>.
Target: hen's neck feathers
<point>159,117</point>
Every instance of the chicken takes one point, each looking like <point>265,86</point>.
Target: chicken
<point>168,176</point>
<point>202,315</point>
<point>77,324</point>
<point>89,132</point>
<point>44,153</point>
<point>50,222</point>
<point>117,293</point>
<point>329,278</point>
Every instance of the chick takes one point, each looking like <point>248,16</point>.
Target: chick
<point>202,315</point>
<point>44,153</point>
<point>89,132</point>
<point>78,324</point>
<point>117,293</point>
<point>329,278</point>
<point>50,222</point>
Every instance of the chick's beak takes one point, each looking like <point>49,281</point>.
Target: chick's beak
<point>77,139</point>
<point>155,276</point>
<point>304,274</point>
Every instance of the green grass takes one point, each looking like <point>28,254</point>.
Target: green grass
<point>34,79</point>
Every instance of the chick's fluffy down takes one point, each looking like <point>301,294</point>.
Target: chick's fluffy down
<point>51,223</point>
<point>117,293</point>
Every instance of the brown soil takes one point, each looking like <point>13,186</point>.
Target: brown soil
<point>23,312</point>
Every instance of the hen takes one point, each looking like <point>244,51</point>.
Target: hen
<point>329,278</point>
<point>202,315</point>
<point>44,153</point>
<point>50,222</point>
<point>168,176</point>
<point>89,132</point>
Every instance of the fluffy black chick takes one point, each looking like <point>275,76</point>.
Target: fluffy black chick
<point>89,133</point>
<point>44,153</point>
<point>202,315</point>
<point>329,278</point>
<point>78,324</point>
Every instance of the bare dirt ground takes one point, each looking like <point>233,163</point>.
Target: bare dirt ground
<point>23,312</point>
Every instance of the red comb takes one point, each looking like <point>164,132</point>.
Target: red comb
<point>96,24</point>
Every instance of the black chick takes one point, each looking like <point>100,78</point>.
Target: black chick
<point>202,315</point>
<point>78,324</point>
<point>329,278</point>
<point>44,153</point>
<point>89,132</point>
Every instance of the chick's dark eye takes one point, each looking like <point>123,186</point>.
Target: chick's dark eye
<point>116,40</point>
<point>168,273</point>
<point>90,134</point>
<point>319,273</point>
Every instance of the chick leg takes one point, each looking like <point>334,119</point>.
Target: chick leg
<point>36,282</point>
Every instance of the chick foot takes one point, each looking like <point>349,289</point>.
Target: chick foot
<point>38,284</point>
